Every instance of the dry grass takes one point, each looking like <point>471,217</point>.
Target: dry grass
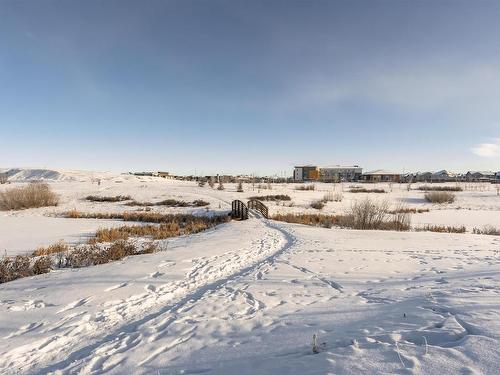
<point>441,229</point>
<point>116,198</point>
<point>12,268</point>
<point>305,187</point>
<point>31,196</point>
<point>487,229</point>
<point>409,210</point>
<point>58,247</point>
<point>318,205</point>
<point>148,217</point>
<point>440,197</point>
<point>439,188</point>
<point>169,203</point>
<point>326,221</point>
<point>365,215</point>
<point>277,197</point>
<point>85,256</point>
<point>364,190</point>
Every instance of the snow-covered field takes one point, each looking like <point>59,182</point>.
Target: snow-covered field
<point>247,297</point>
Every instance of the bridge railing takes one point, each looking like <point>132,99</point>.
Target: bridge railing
<point>239,210</point>
<point>259,206</point>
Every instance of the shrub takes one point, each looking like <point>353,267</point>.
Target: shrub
<point>441,229</point>
<point>42,265</point>
<point>326,221</point>
<point>221,186</point>
<point>277,197</point>
<point>240,187</point>
<point>148,217</point>
<point>487,229</point>
<point>318,205</point>
<point>211,182</point>
<point>116,198</point>
<point>439,188</point>
<point>4,178</point>
<point>58,247</point>
<point>305,187</point>
<point>200,203</point>
<point>362,215</point>
<point>409,210</point>
<point>15,268</point>
<point>367,214</point>
<point>168,203</point>
<point>84,256</point>
<point>440,197</point>
<point>364,190</point>
<point>33,195</point>
<point>201,183</point>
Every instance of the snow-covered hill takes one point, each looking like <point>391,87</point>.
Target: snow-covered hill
<point>41,174</point>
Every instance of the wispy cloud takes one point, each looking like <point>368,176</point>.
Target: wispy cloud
<point>488,150</point>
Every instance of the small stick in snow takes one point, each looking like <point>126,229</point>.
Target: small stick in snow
<point>315,345</point>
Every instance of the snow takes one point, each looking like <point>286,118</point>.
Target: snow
<point>247,297</point>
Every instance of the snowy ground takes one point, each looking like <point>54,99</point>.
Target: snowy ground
<point>247,297</point>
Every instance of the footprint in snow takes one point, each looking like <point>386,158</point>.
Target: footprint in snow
<point>75,304</point>
<point>114,287</point>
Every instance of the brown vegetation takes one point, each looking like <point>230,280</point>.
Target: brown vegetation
<point>441,229</point>
<point>362,215</point>
<point>58,247</point>
<point>487,229</point>
<point>364,190</point>
<point>146,217</point>
<point>277,197</point>
<point>440,197</point>
<point>318,205</point>
<point>439,188</point>
<point>33,195</point>
<point>116,198</point>
<point>305,187</point>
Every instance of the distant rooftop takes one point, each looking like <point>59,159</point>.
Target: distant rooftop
<point>381,172</point>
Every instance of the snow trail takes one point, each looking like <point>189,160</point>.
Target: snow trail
<point>205,277</point>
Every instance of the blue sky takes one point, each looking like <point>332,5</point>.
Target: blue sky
<point>249,86</point>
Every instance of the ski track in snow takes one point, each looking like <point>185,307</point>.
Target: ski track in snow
<point>205,277</point>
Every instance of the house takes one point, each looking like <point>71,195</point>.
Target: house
<point>381,176</point>
<point>423,176</point>
<point>306,173</point>
<point>338,173</point>
<point>443,176</point>
<point>333,173</point>
<point>480,176</point>
<point>163,174</point>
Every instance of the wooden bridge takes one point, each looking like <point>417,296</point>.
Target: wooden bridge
<point>240,210</point>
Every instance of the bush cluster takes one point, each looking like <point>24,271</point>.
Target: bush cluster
<point>439,188</point>
<point>364,190</point>
<point>441,229</point>
<point>276,197</point>
<point>116,198</point>
<point>305,187</point>
<point>439,197</point>
<point>33,195</point>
